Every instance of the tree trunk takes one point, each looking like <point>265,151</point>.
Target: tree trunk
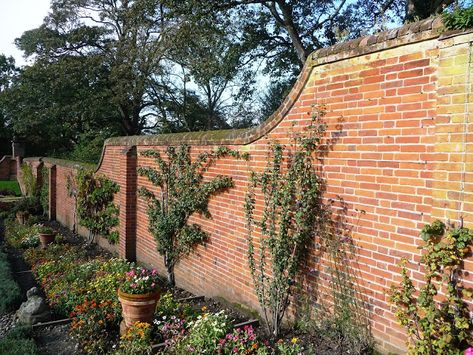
<point>170,271</point>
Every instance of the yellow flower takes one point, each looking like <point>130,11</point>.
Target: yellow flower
<point>204,308</point>
<point>294,340</point>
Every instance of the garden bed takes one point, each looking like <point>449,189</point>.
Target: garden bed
<point>81,282</point>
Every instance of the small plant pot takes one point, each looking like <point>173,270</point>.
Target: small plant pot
<point>46,239</point>
<point>22,217</point>
<point>137,308</point>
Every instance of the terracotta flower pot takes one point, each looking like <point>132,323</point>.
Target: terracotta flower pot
<point>46,239</point>
<point>137,308</point>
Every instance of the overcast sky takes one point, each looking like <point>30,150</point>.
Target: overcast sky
<point>16,17</point>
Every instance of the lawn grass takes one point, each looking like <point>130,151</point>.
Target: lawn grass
<point>10,185</point>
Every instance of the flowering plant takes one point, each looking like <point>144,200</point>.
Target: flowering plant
<point>140,281</point>
<point>242,341</point>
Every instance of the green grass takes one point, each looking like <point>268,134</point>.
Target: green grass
<point>10,186</point>
<point>18,341</point>
<point>11,294</point>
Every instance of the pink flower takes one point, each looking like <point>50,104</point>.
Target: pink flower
<point>469,351</point>
<point>133,285</point>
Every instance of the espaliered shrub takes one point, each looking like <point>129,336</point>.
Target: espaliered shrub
<point>182,192</point>
<point>291,192</point>
<point>436,316</point>
<point>95,208</point>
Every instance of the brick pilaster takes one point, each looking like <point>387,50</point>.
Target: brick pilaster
<point>52,193</point>
<point>127,199</point>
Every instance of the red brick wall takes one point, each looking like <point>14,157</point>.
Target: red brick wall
<point>7,168</point>
<point>399,130</point>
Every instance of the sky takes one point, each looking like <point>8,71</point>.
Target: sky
<point>16,17</point>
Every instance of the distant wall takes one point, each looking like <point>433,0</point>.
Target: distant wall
<point>398,111</point>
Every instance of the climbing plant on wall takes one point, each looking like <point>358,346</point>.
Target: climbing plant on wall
<point>182,192</point>
<point>291,191</point>
<point>95,208</point>
<point>434,324</point>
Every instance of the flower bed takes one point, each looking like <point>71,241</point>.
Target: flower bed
<point>83,286</point>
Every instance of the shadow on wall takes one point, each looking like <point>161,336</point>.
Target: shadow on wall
<point>329,301</point>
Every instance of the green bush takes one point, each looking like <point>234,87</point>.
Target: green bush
<point>18,341</point>
<point>459,19</point>
<point>8,287</point>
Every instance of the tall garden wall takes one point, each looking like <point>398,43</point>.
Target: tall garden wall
<point>399,155</point>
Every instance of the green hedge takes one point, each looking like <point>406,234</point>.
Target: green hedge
<point>11,294</point>
<point>18,341</point>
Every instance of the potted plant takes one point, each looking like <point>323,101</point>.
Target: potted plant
<point>138,296</point>
<point>46,236</point>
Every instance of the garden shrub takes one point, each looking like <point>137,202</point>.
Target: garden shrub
<point>18,341</point>
<point>182,192</point>
<point>292,202</point>
<point>204,334</point>
<point>458,19</point>
<point>436,316</point>
<point>44,190</point>
<point>137,340</point>
<point>29,180</point>
<point>96,210</point>
<point>9,290</point>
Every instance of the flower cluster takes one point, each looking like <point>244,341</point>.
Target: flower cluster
<point>241,341</point>
<point>172,330</point>
<point>140,281</point>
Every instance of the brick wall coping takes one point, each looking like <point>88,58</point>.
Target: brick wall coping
<point>60,162</point>
<point>410,33</point>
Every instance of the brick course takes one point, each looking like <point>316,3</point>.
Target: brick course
<point>397,107</point>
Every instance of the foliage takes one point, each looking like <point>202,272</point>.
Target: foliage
<point>29,180</point>
<point>44,189</point>
<point>15,233</point>
<point>241,341</point>
<point>9,289</point>
<point>31,241</point>
<point>437,320</point>
<point>459,19</point>
<point>45,230</point>
<point>291,347</point>
<point>292,203</point>
<point>168,307</point>
<point>183,192</point>
<point>137,340</point>
<point>30,205</point>
<point>18,341</point>
<point>140,280</point>
<point>95,208</point>
<point>9,188</point>
<point>204,334</point>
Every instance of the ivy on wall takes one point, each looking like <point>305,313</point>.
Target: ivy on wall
<point>182,192</point>
<point>96,210</point>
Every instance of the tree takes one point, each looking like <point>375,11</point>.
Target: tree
<point>127,36</point>
<point>182,192</point>
<point>7,71</point>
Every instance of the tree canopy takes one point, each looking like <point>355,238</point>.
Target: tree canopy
<point>125,67</point>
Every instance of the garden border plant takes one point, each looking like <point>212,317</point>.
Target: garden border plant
<point>182,192</point>
<point>292,190</point>
<point>436,316</point>
<point>96,209</point>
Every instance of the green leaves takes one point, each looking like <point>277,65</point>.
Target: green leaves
<point>459,19</point>
<point>95,208</point>
<point>292,191</point>
<point>438,320</point>
<point>182,192</point>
